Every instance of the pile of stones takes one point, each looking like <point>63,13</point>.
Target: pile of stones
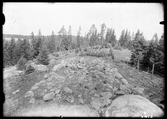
<point>81,81</point>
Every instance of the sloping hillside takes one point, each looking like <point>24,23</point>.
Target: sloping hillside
<point>79,83</point>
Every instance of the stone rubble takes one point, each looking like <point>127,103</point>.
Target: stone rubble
<point>83,81</point>
<point>48,96</point>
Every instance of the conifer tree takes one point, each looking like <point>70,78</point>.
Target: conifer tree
<point>43,56</point>
<point>11,52</point>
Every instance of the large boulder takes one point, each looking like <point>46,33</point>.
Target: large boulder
<point>133,106</point>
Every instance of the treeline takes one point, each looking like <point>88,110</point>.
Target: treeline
<point>148,56</point>
<point>38,46</point>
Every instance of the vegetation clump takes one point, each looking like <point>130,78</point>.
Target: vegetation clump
<point>21,64</point>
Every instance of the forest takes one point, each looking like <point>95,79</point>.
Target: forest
<point>147,54</point>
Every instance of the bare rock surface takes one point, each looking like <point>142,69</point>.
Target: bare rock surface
<point>133,106</point>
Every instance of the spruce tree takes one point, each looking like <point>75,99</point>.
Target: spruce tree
<point>43,56</point>
<point>21,64</point>
<point>11,52</point>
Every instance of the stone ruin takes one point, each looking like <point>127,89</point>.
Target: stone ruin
<point>93,82</point>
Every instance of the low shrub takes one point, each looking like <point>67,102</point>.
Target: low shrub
<point>91,53</point>
<point>117,48</point>
<point>29,69</point>
<point>21,64</point>
<point>102,54</point>
<point>111,53</point>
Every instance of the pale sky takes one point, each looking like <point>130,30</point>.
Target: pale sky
<point>24,18</point>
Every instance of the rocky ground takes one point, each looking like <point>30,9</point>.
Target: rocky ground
<point>75,86</point>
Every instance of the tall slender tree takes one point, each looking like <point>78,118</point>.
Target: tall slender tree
<point>11,51</point>
<point>102,32</point>
<point>78,38</point>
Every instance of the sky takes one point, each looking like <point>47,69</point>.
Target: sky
<point>25,18</point>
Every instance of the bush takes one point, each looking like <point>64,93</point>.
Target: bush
<point>43,56</point>
<point>111,53</point>
<point>117,48</point>
<point>29,69</point>
<point>21,64</point>
<point>91,53</point>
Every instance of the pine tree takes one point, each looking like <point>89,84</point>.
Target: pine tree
<point>25,48</point>
<point>113,38</point>
<point>156,56</point>
<point>43,56</point>
<point>121,39</point>
<point>64,45</point>
<point>21,63</point>
<point>78,38</point>
<point>138,49</point>
<point>93,35</point>
<point>155,38</point>
<point>102,32</point>
<point>70,37</point>
<point>51,43</point>
<point>37,43</point>
<point>18,50</point>
<point>6,57</point>
<point>11,52</point>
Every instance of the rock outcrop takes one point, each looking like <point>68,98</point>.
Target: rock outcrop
<point>133,106</point>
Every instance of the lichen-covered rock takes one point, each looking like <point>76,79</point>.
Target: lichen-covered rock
<point>35,86</point>
<point>80,95</point>
<point>29,94</point>
<point>81,100</point>
<point>72,100</point>
<point>15,92</point>
<point>118,75</point>
<point>32,100</point>
<point>96,103</point>
<point>46,76</point>
<point>67,90</point>
<point>124,81</point>
<point>41,68</point>
<point>139,90</point>
<point>106,95</point>
<point>48,96</point>
<point>133,106</point>
<point>57,91</point>
<point>56,67</point>
<point>119,92</point>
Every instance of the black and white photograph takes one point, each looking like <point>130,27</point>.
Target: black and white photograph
<point>77,59</point>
